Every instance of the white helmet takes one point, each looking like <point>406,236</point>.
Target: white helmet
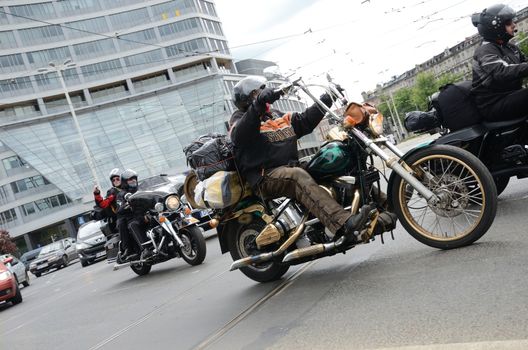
<point>114,172</point>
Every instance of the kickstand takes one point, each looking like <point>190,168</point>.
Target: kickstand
<point>382,240</point>
<point>392,234</point>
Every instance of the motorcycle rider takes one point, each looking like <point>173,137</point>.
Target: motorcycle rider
<point>499,66</point>
<point>130,221</point>
<point>109,202</point>
<point>265,147</point>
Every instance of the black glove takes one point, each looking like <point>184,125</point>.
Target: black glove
<point>326,99</point>
<point>96,191</point>
<point>113,191</point>
<point>340,89</point>
<point>267,96</point>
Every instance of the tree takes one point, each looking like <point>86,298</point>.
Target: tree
<point>7,246</point>
<point>424,87</point>
<point>524,44</point>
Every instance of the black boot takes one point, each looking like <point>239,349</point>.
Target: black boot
<point>356,224</point>
<point>386,222</point>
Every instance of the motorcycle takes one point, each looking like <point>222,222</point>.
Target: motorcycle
<point>171,230</point>
<point>501,146</point>
<point>442,195</point>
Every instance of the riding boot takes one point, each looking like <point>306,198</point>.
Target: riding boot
<point>386,222</point>
<point>355,225</point>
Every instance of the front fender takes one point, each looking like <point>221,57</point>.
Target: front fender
<point>404,159</point>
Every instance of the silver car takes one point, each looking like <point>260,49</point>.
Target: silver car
<point>16,267</point>
<point>90,243</point>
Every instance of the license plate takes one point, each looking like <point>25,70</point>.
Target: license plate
<point>41,266</point>
<point>204,213</point>
<point>100,254</point>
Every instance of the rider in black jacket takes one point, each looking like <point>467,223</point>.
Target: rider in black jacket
<point>130,222</point>
<point>265,147</point>
<point>499,66</point>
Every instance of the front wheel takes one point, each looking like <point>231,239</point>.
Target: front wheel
<point>194,248</point>
<point>26,280</point>
<point>141,269</point>
<point>241,244</point>
<point>467,198</point>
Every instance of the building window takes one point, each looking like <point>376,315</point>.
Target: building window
<point>29,183</point>
<point>40,35</point>
<point>180,28</point>
<point>172,9</point>
<point>11,63</point>
<point>137,39</point>
<point>143,60</point>
<point>16,86</point>
<point>109,92</point>
<point>207,8</point>
<point>87,27</point>
<point>219,46</point>
<point>213,27</point>
<point>22,110</point>
<point>129,19</point>
<point>38,11</point>
<point>13,162</point>
<point>45,204</point>
<point>151,82</point>
<point>4,199</point>
<point>73,7</point>
<point>42,58</point>
<point>103,69</point>
<point>7,40</point>
<point>191,46</point>
<point>7,216</point>
<point>94,49</point>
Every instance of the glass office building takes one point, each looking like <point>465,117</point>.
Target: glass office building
<point>146,77</point>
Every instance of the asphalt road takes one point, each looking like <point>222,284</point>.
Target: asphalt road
<point>398,295</point>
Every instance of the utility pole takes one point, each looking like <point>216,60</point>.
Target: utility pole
<point>402,130</point>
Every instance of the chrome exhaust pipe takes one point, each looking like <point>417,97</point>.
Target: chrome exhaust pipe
<point>268,256</point>
<point>313,250</point>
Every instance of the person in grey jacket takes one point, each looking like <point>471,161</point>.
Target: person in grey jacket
<point>499,66</point>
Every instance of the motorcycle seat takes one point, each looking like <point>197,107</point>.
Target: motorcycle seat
<point>503,124</point>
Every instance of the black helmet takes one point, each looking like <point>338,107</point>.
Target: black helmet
<point>127,175</point>
<point>244,89</point>
<point>492,21</point>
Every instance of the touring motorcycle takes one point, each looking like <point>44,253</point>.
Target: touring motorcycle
<point>171,230</point>
<point>442,195</point>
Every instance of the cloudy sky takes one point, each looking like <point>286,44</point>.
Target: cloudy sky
<point>359,42</point>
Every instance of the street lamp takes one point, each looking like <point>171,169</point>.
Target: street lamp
<point>59,69</point>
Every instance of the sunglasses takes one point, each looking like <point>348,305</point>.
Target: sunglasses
<point>116,178</point>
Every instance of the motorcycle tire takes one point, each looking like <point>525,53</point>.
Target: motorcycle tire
<point>241,244</point>
<point>141,269</point>
<point>195,248</point>
<point>467,192</point>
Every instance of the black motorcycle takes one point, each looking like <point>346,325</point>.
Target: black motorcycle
<point>501,146</point>
<point>171,230</point>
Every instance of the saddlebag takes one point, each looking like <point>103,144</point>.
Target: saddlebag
<point>219,191</point>
<point>209,154</point>
<point>418,121</point>
<point>455,106</point>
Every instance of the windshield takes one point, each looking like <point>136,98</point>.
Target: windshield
<point>152,181</point>
<point>51,248</point>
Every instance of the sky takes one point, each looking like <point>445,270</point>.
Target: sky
<point>360,43</point>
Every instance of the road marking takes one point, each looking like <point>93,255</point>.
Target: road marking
<point>151,313</point>
<point>240,317</point>
<point>520,344</point>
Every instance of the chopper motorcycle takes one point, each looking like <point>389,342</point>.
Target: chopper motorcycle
<point>442,195</point>
<point>171,231</point>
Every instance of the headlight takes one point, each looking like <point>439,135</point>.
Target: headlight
<point>81,245</point>
<point>5,275</point>
<point>376,124</point>
<point>172,202</point>
<point>159,207</point>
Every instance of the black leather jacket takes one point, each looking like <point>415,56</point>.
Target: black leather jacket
<point>498,70</point>
<point>263,142</point>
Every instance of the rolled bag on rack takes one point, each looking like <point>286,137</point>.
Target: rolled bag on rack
<point>220,190</point>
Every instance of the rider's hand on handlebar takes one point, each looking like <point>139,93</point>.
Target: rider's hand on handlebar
<point>327,99</point>
<point>268,96</point>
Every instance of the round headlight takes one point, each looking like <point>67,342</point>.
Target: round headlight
<point>376,124</point>
<point>172,202</point>
<point>159,207</point>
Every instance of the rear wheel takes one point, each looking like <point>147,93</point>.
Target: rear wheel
<point>141,269</point>
<point>467,198</point>
<point>26,281</point>
<point>241,244</point>
<point>194,249</point>
<point>84,263</point>
<point>37,274</point>
<point>64,261</point>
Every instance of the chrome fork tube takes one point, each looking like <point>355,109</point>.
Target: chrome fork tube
<point>168,226</point>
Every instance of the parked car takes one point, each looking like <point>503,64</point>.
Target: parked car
<point>9,290</point>
<point>17,267</point>
<point>90,242</point>
<point>54,255</point>
<point>28,257</point>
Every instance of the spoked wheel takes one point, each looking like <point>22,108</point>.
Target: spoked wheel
<point>241,243</point>
<point>194,249</point>
<point>467,198</point>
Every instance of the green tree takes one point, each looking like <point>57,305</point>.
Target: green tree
<point>424,87</point>
<point>524,44</point>
<point>7,246</point>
